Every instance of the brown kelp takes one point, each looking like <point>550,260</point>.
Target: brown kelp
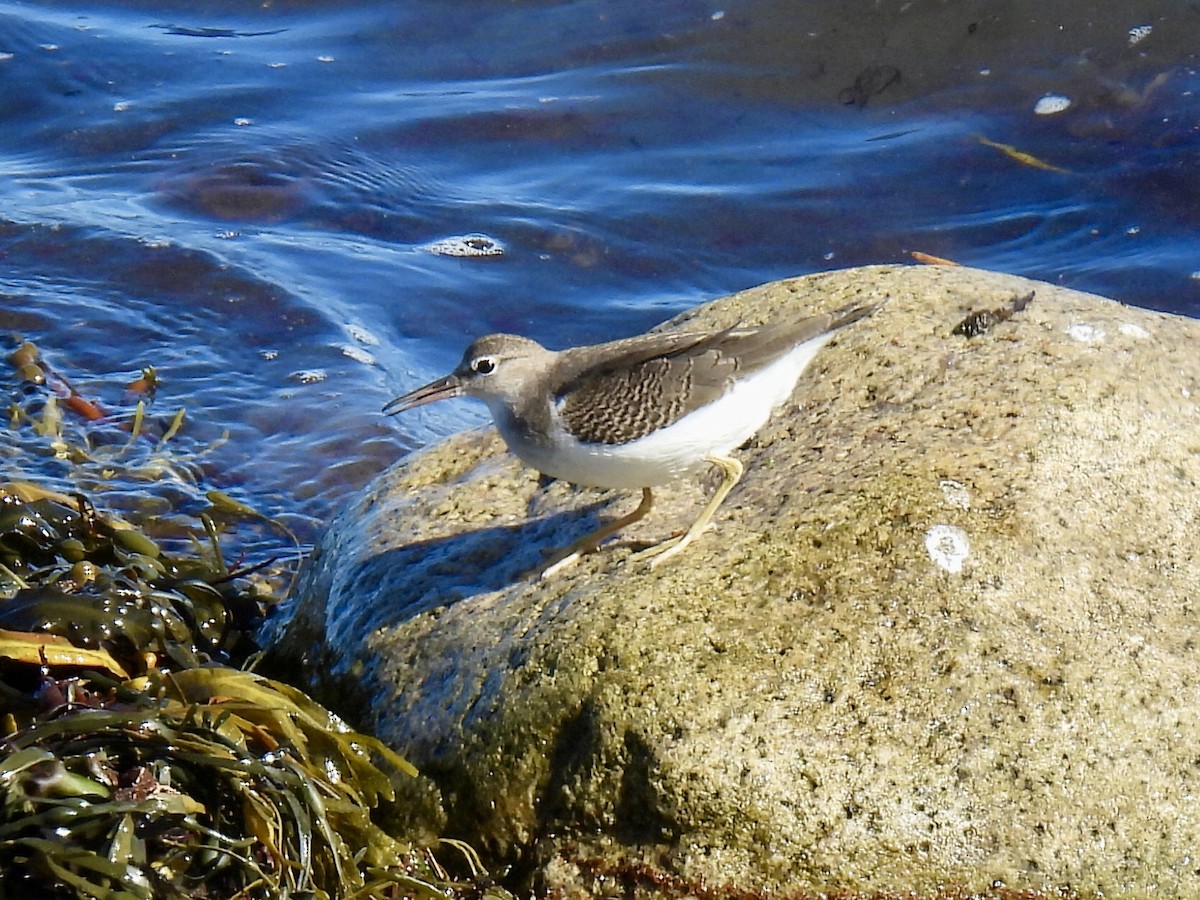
<point>135,763</point>
<point>138,758</point>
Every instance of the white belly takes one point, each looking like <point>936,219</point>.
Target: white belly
<point>668,453</point>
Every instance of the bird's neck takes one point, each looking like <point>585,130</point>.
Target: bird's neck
<point>528,422</point>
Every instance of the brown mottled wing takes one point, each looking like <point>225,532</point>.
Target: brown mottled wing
<point>634,390</point>
<point>655,380</point>
<point>615,406</point>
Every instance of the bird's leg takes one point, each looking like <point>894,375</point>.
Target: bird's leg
<point>732,470</point>
<point>589,542</point>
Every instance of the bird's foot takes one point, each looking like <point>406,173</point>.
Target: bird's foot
<point>589,543</point>
<point>662,551</point>
<point>566,558</point>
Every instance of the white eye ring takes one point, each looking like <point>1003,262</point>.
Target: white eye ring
<point>483,365</point>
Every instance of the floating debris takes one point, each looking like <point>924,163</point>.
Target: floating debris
<point>1139,33</point>
<point>467,245</point>
<point>1025,159</point>
<point>210,32</point>
<point>1051,104</point>
<point>145,384</point>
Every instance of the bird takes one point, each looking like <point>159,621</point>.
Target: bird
<point>639,412</point>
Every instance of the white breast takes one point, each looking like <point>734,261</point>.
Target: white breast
<point>666,454</point>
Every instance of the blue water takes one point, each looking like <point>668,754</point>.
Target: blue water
<point>249,197</point>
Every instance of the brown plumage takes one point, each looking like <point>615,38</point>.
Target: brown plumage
<point>660,378</point>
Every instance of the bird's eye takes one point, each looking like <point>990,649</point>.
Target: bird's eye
<point>483,365</point>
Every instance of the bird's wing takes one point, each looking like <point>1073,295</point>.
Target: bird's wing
<point>651,383</point>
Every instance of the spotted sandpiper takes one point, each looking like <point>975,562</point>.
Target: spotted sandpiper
<point>638,412</point>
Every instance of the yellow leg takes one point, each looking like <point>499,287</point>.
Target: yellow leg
<point>589,542</point>
<point>733,471</point>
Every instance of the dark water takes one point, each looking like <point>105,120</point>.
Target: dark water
<point>250,197</point>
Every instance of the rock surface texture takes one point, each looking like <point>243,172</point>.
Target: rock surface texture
<point>943,635</point>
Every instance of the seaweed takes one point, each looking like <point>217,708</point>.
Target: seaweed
<point>139,758</point>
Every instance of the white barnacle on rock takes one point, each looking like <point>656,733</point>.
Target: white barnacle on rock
<point>956,493</point>
<point>1085,334</point>
<point>1129,329</point>
<point>948,547</point>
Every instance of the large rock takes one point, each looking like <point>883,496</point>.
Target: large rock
<point>943,634</point>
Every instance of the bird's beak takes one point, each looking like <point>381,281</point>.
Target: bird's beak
<point>442,389</point>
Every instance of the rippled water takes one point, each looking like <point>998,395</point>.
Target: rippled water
<point>251,198</point>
